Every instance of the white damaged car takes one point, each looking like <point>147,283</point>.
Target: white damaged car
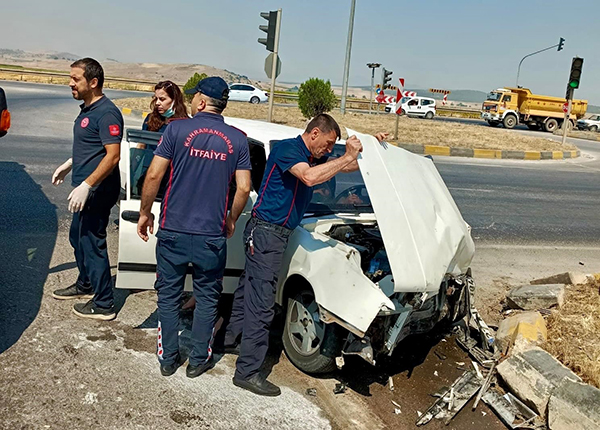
<point>381,253</point>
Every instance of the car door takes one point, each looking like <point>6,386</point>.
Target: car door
<point>136,268</point>
<point>246,92</point>
<point>413,107</point>
<point>234,92</point>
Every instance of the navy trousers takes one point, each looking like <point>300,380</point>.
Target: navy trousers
<point>88,239</point>
<point>174,253</point>
<point>254,298</point>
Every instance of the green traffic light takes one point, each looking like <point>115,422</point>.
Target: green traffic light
<point>573,84</point>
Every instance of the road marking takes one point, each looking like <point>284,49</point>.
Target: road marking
<point>471,189</point>
<point>540,247</point>
<point>487,153</point>
<point>437,150</point>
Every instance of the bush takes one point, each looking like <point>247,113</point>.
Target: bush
<point>191,83</point>
<point>315,96</point>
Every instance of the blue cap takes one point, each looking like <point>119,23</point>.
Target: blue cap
<point>214,87</point>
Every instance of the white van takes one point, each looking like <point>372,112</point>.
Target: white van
<point>415,106</point>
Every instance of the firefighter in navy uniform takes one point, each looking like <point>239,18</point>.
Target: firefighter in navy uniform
<point>97,137</point>
<point>204,155</point>
<point>293,168</point>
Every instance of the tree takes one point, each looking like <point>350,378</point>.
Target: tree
<point>191,83</point>
<point>315,96</point>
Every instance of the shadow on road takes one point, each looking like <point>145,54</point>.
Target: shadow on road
<point>28,230</point>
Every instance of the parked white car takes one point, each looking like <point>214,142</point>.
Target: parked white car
<point>247,93</point>
<point>381,253</point>
<point>592,123</point>
<point>423,107</point>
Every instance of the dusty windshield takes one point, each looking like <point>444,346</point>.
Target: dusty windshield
<point>344,193</point>
<point>494,97</point>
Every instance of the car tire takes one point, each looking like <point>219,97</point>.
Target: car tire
<point>594,128</point>
<point>509,121</point>
<point>550,125</point>
<point>402,112</point>
<point>429,115</point>
<point>301,323</point>
<point>255,100</point>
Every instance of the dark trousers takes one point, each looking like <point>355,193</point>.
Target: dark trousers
<point>88,239</point>
<point>174,252</point>
<point>254,298</point>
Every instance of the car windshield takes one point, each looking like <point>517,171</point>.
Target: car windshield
<point>494,97</point>
<point>344,193</point>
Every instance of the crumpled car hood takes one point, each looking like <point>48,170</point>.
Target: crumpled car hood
<point>423,231</point>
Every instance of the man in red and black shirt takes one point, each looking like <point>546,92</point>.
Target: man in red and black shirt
<point>97,134</point>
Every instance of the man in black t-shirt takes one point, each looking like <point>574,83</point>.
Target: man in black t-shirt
<point>97,134</point>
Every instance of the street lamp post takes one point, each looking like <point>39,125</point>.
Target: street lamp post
<point>347,63</point>
<point>372,66</point>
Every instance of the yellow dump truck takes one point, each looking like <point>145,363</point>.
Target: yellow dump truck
<point>512,106</point>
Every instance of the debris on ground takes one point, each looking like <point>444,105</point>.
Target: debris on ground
<point>397,409</point>
<point>311,392</point>
<point>435,373</point>
<point>514,413</point>
<point>440,355</point>
<point>521,330</point>
<point>533,375</point>
<point>339,362</point>
<point>484,386</point>
<point>533,297</point>
<point>339,388</point>
<point>452,400</point>
<point>477,371</point>
<point>391,383</point>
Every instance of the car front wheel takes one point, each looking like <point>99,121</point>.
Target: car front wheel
<point>308,342</point>
<point>429,115</point>
<point>255,100</point>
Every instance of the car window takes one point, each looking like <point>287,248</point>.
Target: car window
<point>506,99</point>
<point>246,88</point>
<point>426,102</point>
<point>413,102</point>
<point>235,87</point>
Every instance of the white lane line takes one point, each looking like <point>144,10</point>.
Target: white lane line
<point>472,189</point>
<point>541,247</point>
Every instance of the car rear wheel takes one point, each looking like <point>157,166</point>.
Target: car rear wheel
<point>594,128</point>
<point>255,100</point>
<point>429,115</point>
<point>551,125</point>
<point>308,342</point>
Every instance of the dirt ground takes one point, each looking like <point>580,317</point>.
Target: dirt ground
<point>411,130</point>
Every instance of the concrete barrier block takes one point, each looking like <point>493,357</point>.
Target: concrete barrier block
<point>567,278</point>
<point>533,375</point>
<point>574,406</point>
<point>532,297</point>
<point>524,329</point>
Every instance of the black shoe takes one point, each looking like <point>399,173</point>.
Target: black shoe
<point>169,369</point>
<point>90,310</point>
<point>195,371</point>
<point>257,385</point>
<point>233,349</point>
<point>73,292</point>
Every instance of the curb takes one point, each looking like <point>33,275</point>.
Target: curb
<point>488,153</point>
<point>134,113</point>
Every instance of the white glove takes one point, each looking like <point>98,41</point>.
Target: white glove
<point>78,197</point>
<point>63,170</point>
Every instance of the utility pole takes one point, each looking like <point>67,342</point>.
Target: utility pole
<point>559,45</point>
<point>372,66</point>
<point>347,63</point>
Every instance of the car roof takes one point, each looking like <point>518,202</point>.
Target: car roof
<point>241,83</point>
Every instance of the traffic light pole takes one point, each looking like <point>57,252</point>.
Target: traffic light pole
<point>371,95</point>
<point>529,55</point>
<point>274,67</point>
<point>347,62</point>
<point>567,116</point>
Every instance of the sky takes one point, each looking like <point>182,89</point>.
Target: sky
<point>446,44</point>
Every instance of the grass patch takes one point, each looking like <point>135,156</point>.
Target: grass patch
<point>580,134</point>
<point>411,130</point>
<point>573,332</point>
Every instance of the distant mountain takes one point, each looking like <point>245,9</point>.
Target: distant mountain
<point>18,54</point>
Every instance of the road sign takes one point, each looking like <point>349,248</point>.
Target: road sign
<point>566,107</point>
<point>269,65</point>
<point>399,96</point>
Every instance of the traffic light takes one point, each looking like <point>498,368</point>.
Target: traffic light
<point>385,78</point>
<point>575,75</point>
<point>269,41</point>
<point>561,43</point>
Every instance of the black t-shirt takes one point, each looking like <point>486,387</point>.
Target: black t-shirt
<point>98,124</point>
